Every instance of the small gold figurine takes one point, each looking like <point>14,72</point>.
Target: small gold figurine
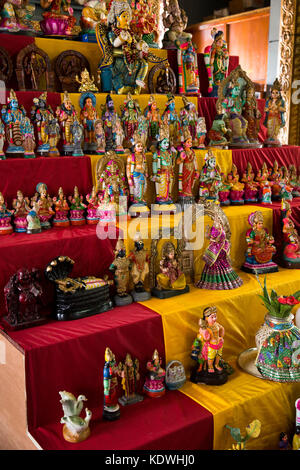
<point>86,82</point>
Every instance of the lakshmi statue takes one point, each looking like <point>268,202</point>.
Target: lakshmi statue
<point>109,117</point>
<point>77,208</point>
<point>130,114</point>
<point>188,169</point>
<point>137,176</point>
<point>237,188</point>
<point>22,208</point>
<point>61,208</point>
<point>233,103</point>
<point>111,407</point>
<point>218,273</point>
<point>251,186</point>
<point>13,116</point>
<point>152,115</point>
<point>66,115</point>
<point>2,140</point>
<point>210,178</point>
<point>45,203</point>
<point>216,58</point>
<point>29,139</point>
<point>265,186</point>
<point>207,350</point>
<point>274,120</point>
<point>252,115</point>
<point>155,382</point>
<point>171,280</point>
<point>5,218</point>
<point>130,376</point>
<point>86,82</point>
<point>219,135</point>
<point>88,117</point>
<point>260,247</point>
<point>173,121</point>
<point>139,259</point>
<point>291,239</point>
<point>93,200</point>
<point>120,267</point>
<point>144,24</point>
<point>100,137</point>
<point>58,18</point>
<point>41,115</point>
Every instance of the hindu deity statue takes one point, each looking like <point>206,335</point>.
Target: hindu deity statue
<point>170,114</point>
<point>274,115</point>
<point>88,118</point>
<point>188,169</point>
<point>152,115</point>
<point>54,137</point>
<point>188,118</point>
<point>21,206</point>
<point>41,115</point>
<point>264,185</point>
<point>139,259</point>
<point>112,183</point>
<point>224,189</point>
<point>29,139</point>
<point>155,382</point>
<point>294,181</point>
<point>207,350</point>
<point>2,140</point>
<point>142,129</point>
<point>291,239</point>
<point>233,103</point>
<point>188,66</point>
<point>119,135</point>
<point>13,116</point>
<point>251,186</point>
<point>210,178</point>
<point>260,247</point>
<point>237,188</point>
<point>120,267</point>
<point>286,191</point>
<point>77,131</point>
<point>130,114</point>
<point>109,117</point>
<point>111,407</point>
<point>77,208</point>
<point>93,12</point>
<point>137,176</point>
<point>216,58</point>
<point>219,134</point>
<point>5,217</point>
<point>275,178</point>
<point>93,200</point>
<point>252,115</point>
<point>45,204</point>
<point>218,273</point>
<point>61,208</point>
<point>171,280</point>
<point>86,82</point>
<point>199,142</point>
<point>100,137</point>
<point>175,21</point>
<point>16,16</point>
<point>66,115</point>
<point>33,220</point>
<point>144,24</point>
<point>58,19</point>
<point>130,376</point>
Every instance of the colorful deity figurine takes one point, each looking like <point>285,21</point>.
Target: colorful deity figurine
<point>61,208</point>
<point>66,115</point>
<point>93,200</point>
<point>58,19</point>
<point>86,82</point>
<point>139,271</point>
<point>291,240</point>
<point>296,437</point>
<point>16,16</point>
<point>29,139</point>
<point>216,58</point>
<point>142,129</point>
<point>233,102</point>
<point>111,407</point>
<point>54,137</point>
<point>188,173</point>
<point>88,118</point>
<point>252,115</point>
<point>100,137</point>
<point>219,134</point>
<point>260,247</point>
<point>275,178</point>
<point>41,115</point>
<point>77,131</point>
<point>77,208</point>
<point>218,273</point>
<point>286,189</point>
<point>120,266</point>
<point>237,188</point>
<point>129,117</point>
<point>210,178</point>
<point>207,350</point>
<point>154,386</point>
<point>274,115</point>
<point>224,189</point>
<point>93,12</point>
<point>200,133</point>
<point>188,66</point>
<point>294,181</point>
<point>251,186</point>
<point>5,218</point>
<point>137,176</point>
<point>173,120</point>
<point>45,203</point>
<point>130,377</point>
<point>119,135</point>
<point>188,118</point>
<point>22,208</point>
<point>33,220</point>
<point>109,117</point>
<point>265,186</point>
<point>171,280</point>
<point>2,140</point>
<point>144,24</point>
<point>13,116</point>
<point>152,114</point>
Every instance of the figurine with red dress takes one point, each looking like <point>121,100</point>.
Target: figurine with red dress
<point>111,408</point>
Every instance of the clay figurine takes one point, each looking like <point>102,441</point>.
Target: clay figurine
<point>154,386</point>
<point>22,208</point>
<point>291,239</point>
<point>216,58</point>
<point>66,115</point>
<point>137,176</point>
<point>210,178</point>
<point>42,114</point>
<point>175,375</point>
<point>76,429</point>
<point>130,376</point>
<point>5,218</point>
<point>33,220</point>
<point>61,208</point>
<point>13,116</point>
<point>274,115</point>
<point>139,270</point>
<point>93,200</point>
<point>77,208</point>
<point>251,186</point>
<point>45,203</point>
<point>120,266</point>
<point>111,407</point>
<point>88,118</point>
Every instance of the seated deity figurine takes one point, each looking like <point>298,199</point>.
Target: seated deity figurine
<point>22,208</point>
<point>137,176</point>
<point>237,188</point>
<point>152,114</point>
<point>45,203</point>
<point>58,19</point>
<point>251,186</point>
<point>274,115</point>
<point>207,350</point>
<point>139,271</point>
<point>88,118</point>
<point>294,181</point>
<point>291,240</point>
<point>120,267</point>
<point>260,247</point>
<point>5,218</point>
<point>100,137</point>
<point>111,407</point>
<point>210,178</point>
<point>252,115</point>
<point>13,116</point>
<point>66,115</point>
<point>77,208</point>
<point>41,115</point>
<point>62,209</point>
<point>188,169</point>
<point>172,118</point>
<point>15,16</point>
<point>86,82</point>
<point>219,134</point>
<point>93,200</point>
<point>155,381</point>
<point>275,178</point>
<point>264,185</point>
<point>286,189</point>
<point>129,117</point>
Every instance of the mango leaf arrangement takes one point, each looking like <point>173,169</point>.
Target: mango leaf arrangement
<point>278,306</point>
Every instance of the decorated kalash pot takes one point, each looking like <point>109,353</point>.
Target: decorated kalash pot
<point>5,218</point>
<point>76,428</point>
<point>188,173</point>
<point>111,407</point>
<point>22,208</point>
<point>210,178</point>
<point>130,377</point>
<point>62,209</point>
<point>93,200</point>
<point>175,375</point>
<point>13,116</point>
<point>154,386</point>
<point>207,351</point>
<point>260,247</point>
<point>41,115</point>
<point>139,271</point>
<point>120,266</point>
<point>77,208</point>
<point>45,203</point>
<point>290,257</point>
<point>76,297</point>
<point>58,19</point>
<point>274,116</point>
<point>24,300</point>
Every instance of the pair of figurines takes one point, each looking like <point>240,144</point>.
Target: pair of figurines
<point>72,131</point>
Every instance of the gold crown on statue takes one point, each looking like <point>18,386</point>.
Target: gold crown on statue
<point>12,95</point>
<point>155,355</point>
<point>66,96</point>
<point>255,217</point>
<point>276,85</point>
<point>43,96</point>
<point>116,8</point>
